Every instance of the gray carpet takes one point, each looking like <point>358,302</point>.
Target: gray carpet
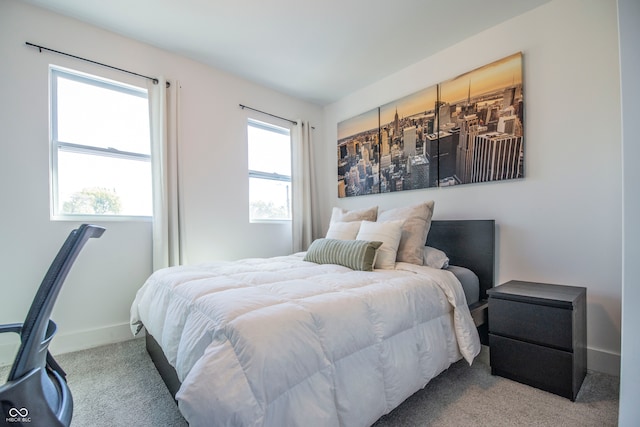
<point>117,385</point>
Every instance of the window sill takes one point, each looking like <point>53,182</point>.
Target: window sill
<point>270,221</point>
<point>101,218</point>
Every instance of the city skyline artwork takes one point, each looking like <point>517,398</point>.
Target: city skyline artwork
<point>465,130</point>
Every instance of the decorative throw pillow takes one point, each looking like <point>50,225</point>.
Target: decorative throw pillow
<point>354,254</point>
<point>417,222</point>
<point>389,234</point>
<point>343,230</point>
<point>435,258</point>
<point>341,215</point>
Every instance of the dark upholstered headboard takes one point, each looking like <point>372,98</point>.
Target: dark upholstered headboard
<point>467,243</point>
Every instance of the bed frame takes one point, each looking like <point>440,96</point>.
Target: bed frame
<point>467,243</point>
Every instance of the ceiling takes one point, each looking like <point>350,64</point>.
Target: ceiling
<point>318,51</point>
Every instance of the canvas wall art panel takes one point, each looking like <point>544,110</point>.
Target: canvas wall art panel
<point>483,111</point>
<point>358,155</point>
<point>408,153</point>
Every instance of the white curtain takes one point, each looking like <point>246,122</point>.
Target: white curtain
<point>302,186</point>
<point>167,226</point>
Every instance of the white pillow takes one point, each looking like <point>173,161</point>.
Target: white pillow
<point>389,233</point>
<point>435,258</point>
<point>343,230</point>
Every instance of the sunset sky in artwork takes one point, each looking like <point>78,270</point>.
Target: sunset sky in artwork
<point>488,78</point>
<point>419,102</point>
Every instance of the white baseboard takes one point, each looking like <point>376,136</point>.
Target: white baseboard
<point>82,340</point>
<point>603,361</point>
<point>72,341</point>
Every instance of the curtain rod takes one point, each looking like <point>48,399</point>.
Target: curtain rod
<point>41,48</point>
<point>293,122</point>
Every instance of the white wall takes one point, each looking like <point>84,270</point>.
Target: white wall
<point>628,18</point>
<point>562,222</point>
<point>93,307</point>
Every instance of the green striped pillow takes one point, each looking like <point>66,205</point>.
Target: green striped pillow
<point>355,254</point>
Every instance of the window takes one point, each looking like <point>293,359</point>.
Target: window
<point>100,147</point>
<point>269,172</point>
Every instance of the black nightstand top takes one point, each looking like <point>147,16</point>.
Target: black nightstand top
<point>539,293</point>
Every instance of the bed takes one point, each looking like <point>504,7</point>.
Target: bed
<point>285,341</point>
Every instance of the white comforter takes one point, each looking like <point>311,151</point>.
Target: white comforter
<point>284,342</point>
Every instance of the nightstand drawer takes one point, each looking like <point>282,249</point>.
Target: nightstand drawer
<point>539,324</point>
<point>538,366</point>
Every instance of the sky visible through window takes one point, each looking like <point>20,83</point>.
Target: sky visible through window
<point>130,180</point>
<point>269,153</point>
<point>97,116</point>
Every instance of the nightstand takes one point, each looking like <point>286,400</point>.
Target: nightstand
<point>538,334</point>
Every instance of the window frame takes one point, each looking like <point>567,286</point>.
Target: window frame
<point>282,130</point>
<point>56,145</point>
